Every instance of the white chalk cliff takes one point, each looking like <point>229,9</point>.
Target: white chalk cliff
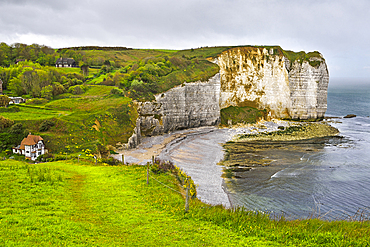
<point>248,76</point>
<point>256,77</point>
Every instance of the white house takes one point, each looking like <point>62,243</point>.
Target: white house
<point>16,100</point>
<point>31,147</point>
<point>65,62</point>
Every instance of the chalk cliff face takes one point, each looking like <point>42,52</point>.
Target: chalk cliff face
<point>248,76</point>
<point>265,79</point>
<point>187,106</point>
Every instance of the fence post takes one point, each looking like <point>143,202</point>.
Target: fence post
<point>153,160</point>
<point>123,159</point>
<point>187,196</point>
<point>147,173</point>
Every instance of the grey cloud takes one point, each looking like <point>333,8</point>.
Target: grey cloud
<point>332,27</point>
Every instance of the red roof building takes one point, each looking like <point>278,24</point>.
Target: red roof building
<point>31,147</point>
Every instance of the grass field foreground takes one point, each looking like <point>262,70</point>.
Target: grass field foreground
<point>79,204</point>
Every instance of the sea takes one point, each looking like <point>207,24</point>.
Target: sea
<point>326,178</point>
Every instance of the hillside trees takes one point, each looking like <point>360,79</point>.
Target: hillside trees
<point>28,78</point>
<point>36,53</point>
<point>10,134</point>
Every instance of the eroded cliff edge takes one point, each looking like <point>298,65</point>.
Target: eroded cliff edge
<point>186,106</point>
<point>288,85</point>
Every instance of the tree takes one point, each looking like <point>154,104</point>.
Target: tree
<point>85,69</point>
<point>4,100</point>
<point>47,92</point>
<point>15,85</point>
<point>58,88</point>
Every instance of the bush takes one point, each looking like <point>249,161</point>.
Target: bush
<point>36,101</point>
<point>78,89</point>
<point>46,125</point>
<point>4,100</point>
<point>107,82</point>
<point>160,166</point>
<point>102,150</point>
<point>18,129</point>
<point>111,161</point>
<point>47,92</point>
<point>45,157</point>
<point>5,122</point>
<point>117,91</point>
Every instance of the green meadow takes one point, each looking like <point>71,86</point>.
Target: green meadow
<point>71,203</point>
<point>81,121</point>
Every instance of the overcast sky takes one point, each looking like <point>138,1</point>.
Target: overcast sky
<point>339,29</point>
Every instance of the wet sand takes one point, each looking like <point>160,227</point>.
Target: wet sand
<point>197,152</point>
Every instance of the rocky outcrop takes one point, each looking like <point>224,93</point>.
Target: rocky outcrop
<point>249,76</point>
<point>267,79</point>
<point>189,105</point>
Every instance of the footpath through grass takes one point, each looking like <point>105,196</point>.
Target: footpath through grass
<point>79,204</point>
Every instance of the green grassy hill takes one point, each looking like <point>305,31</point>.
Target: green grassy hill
<point>70,203</point>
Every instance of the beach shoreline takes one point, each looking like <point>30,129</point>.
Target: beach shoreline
<point>198,152</point>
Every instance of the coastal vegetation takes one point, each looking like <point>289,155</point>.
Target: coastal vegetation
<point>241,115</point>
<point>79,203</point>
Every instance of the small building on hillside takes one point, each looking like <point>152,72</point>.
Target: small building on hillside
<point>19,60</point>
<point>65,62</point>
<point>16,100</point>
<point>31,147</point>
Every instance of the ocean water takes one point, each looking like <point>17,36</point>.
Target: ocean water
<point>327,178</point>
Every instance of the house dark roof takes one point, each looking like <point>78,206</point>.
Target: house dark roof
<point>65,61</point>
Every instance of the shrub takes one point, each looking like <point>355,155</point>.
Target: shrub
<point>117,91</point>
<point>107,82</point>
<point>102,150</point>
<point>45,157</point>
<point>77,89</point>
<point>5,122</point>
<point>4,100</point>
<point>160,166</point>
<point>36,101</point>
<point>46,125</point>
<point>47,92</point>
<point>111,161</point>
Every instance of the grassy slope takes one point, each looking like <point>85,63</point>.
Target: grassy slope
<point>81,204</point>
<point>99,206</point>
<point>75,118</point>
